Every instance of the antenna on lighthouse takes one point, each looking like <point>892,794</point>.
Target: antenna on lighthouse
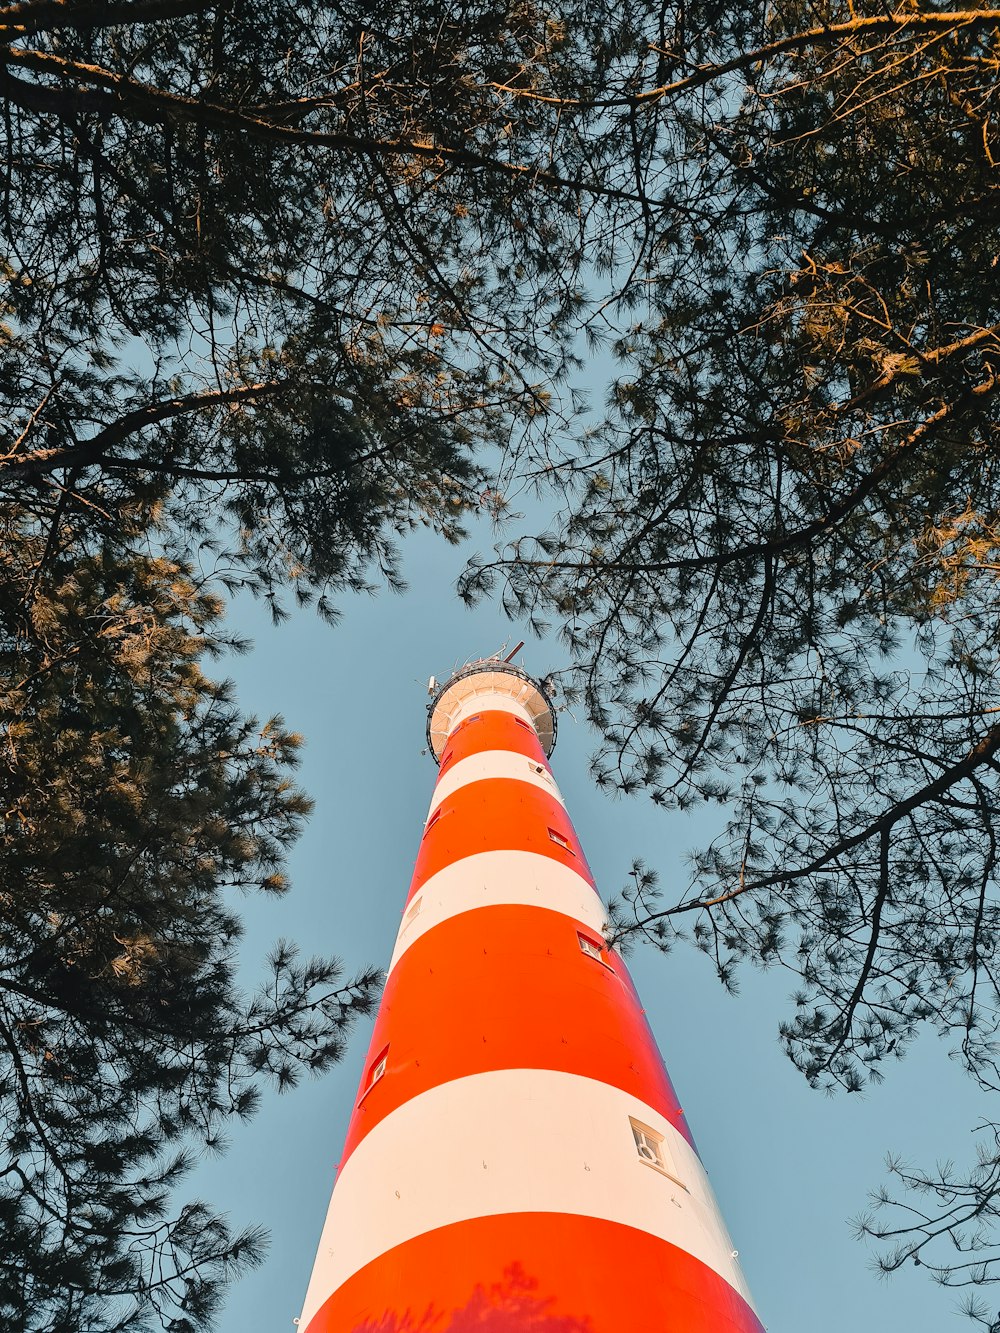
<point>513,654</point>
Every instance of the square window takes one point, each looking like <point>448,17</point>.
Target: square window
<point>651,1146</point>
<point>376,1071</point>
<point>589,946</point>
<point>561,840</point>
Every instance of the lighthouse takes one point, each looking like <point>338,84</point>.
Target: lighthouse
<point>516,1159</point>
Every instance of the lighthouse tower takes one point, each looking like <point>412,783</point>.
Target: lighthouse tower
<point>516,1161</point>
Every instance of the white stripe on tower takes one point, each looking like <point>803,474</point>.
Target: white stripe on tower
<point>500,1138</point>
<point>493,879</point>
<point>492,765</point>
<point>516,1141</point>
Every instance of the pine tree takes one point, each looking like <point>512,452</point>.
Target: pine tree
<point>303,275</point>
<point>136,799</point>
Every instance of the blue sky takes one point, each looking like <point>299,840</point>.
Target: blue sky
<point>790,1166</point>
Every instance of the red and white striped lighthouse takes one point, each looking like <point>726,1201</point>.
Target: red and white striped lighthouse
<point>516,1161</point>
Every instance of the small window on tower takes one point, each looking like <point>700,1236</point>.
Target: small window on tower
<point>526,725</point>
<point>432,821</point>
<point>376,1070</point>
<point>561,840</point>
<point>589,946</point>
<point>650,1144</point>
<point>541,771</point>
<point>411,911</point>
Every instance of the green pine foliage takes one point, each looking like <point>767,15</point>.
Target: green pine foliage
<point>138,804</point>
<point>282,269</point>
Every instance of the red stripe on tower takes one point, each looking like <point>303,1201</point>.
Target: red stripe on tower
<point>516,1158</point>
